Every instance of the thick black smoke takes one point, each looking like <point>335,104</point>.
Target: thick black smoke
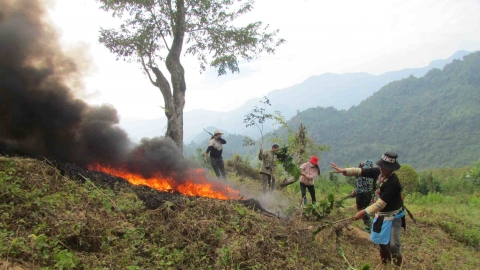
<point>39,113</point>
<point>157,154</point>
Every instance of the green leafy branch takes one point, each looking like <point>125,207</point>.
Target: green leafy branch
<point>258,116</point>
<point>300,143</point>
<point>288,163</point>
<point>320,209</point>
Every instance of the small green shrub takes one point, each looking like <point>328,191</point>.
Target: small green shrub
<point>428,183</point>
<point>321,208</point>
<point>65,260</point>
<point>408,178</point>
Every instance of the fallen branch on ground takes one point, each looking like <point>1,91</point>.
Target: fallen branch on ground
<point>256,206</point>
<point>286,182</point>
<point>320,228</point>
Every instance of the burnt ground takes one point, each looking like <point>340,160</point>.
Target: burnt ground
<point>153,199</point>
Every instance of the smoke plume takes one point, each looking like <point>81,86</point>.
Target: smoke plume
<point>39,112</point>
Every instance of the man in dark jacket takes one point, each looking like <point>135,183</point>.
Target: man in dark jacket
<point>215,148</point>
<point>387,208</point>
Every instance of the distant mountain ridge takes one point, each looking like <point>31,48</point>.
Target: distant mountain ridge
<point>340,91</point>
<point>431,122</point>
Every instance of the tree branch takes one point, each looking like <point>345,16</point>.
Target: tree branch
<point>261,131</point>
<point>159,27</point>
<point>199,29</point>
<point>171,15</point>
<point>166,45</point>
<point>179,32</point>
<point>148,72</point>
<point>164,86</point>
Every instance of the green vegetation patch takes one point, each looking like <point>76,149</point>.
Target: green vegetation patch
<point>455,215</point>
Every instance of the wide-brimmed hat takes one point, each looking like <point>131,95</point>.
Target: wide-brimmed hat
<point>389,162</point>
<point>314,160</point>
<point>217,132</point>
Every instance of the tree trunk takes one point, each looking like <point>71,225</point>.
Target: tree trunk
<point>177,73</point>
<point>430,182</point>
<point>175,115</point>
<point>174,96</point>
<point>173,108</point>
<point>175,126</point>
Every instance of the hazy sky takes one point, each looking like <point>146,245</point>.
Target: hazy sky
<point>336,36</point>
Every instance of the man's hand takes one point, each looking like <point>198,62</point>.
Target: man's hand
<point>353,194</point>
<point>337,169</point>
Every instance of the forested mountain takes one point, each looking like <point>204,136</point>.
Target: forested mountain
<point>340,91</point>
<point>433,121</point>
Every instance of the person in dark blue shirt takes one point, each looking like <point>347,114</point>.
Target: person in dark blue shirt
<point>363,193</point>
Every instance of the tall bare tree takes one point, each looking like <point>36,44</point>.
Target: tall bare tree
<point>156,31</point>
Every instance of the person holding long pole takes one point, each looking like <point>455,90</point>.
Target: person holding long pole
<point>388,207</point>
<point>215,148</point>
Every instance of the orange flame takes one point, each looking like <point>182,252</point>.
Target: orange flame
<point>200,186</point>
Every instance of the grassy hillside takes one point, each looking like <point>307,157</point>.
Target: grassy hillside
<point>50,221</point>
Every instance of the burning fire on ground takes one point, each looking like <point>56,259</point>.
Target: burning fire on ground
<point>195,185</point>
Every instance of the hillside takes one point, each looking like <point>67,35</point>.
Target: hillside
<point>54,221</point>
<point>340,91</point>
<point>432,121</point>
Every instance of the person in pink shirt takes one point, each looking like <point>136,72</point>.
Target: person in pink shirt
<point>309,171</point>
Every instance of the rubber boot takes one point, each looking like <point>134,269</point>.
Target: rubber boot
<point>305,201</point>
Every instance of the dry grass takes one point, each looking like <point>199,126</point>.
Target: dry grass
<point>52,221</point>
